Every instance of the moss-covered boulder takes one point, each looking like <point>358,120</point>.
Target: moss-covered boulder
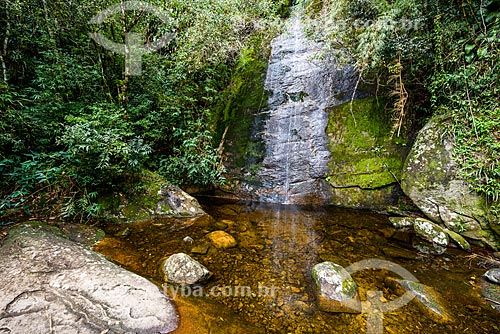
<point>431,232</point>
<point>459,240</point>
<point>149,195</point>
<point>366,159</point>
<point>335,289</point>
<point>432,180</point>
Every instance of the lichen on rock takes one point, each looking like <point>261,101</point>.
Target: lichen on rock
<point>335,289</point>
<point>432,180</point>
<point>431,232</point>
<point>182,269</point>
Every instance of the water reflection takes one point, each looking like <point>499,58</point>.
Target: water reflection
<point>277,247</point>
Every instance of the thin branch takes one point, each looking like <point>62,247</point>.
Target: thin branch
<point>470,105</point>
<point>353,95</point>
<point>482,16</point>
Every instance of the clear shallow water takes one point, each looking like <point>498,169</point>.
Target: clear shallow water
<point>277,247</point>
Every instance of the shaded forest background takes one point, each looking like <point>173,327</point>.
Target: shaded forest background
<point>73,125</point>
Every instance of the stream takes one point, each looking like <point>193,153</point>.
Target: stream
<point>277,247</point>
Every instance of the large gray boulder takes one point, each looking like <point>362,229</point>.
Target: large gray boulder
<point>431,179</point>
<point>49,284</point>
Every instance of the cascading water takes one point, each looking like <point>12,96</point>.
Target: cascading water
<point>302,81</point>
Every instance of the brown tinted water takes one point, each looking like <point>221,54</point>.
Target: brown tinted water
<point>277,247</point>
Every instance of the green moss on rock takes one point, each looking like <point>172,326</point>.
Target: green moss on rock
<point>364,153</point>
<point>137,201</point>
<point>433,181</point>
<point>146,196</point>
<point>244,97</point>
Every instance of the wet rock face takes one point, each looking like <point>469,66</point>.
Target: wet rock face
<point>366,158</point>
<point>52,285</point>
<point>182,269</point>
<point>302,82</point>
<point>431,179</point>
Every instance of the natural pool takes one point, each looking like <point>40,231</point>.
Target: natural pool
<point>277,247</point>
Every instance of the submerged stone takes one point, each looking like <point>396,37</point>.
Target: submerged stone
<point>200,249</point>
<point>431,232</point>
<point>428,299</point>
<point>399,253</point>
<point>426,247</point>
<point>335,289</point>
<point>182,269</point>
<point>222,239</point>
<point>50,284</point>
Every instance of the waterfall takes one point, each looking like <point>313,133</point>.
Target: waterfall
<point>302,82</point>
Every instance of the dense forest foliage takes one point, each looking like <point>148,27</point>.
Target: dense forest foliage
<point>74,123</point>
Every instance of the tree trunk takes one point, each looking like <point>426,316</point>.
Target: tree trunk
<point>3,53</point>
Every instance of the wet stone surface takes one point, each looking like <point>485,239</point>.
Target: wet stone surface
<point>264,283</point>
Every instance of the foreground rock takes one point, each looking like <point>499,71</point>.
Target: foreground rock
<point>335,289</point>
<point>183,269</point>
<point>52,285</point>
<point>431,179</point>
<point>428,300</point>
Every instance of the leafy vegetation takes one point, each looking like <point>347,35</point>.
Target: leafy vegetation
<point>431,57</point>
<point>75,123</point>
